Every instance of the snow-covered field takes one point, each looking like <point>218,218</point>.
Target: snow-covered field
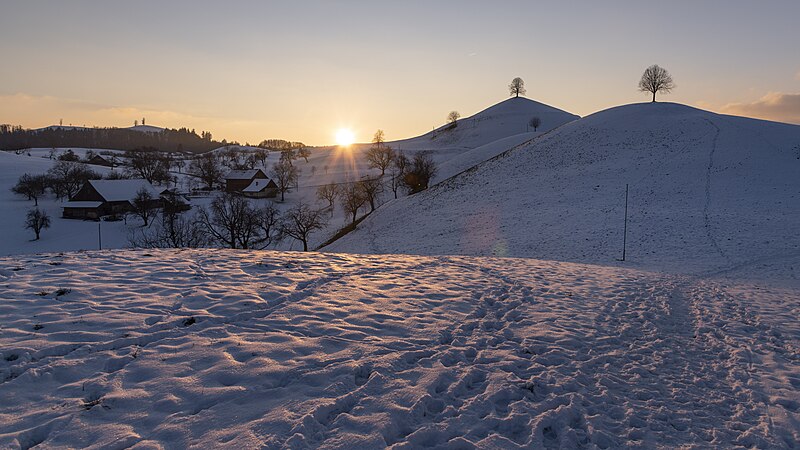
<point>234,349</point>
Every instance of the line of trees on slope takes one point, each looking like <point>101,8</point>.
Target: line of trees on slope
<point>173,140</point>
<point>397,172</point>
<point>231,221</point>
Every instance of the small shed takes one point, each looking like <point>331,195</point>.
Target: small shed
<point>261,188</point>
<point>99,198</point>
<point>238,180</point>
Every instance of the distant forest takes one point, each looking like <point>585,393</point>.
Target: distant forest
<point>180,140</point>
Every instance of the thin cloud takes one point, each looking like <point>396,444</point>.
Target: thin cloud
<point>777,106</point>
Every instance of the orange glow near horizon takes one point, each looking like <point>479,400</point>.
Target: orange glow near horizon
<point>345,137</point>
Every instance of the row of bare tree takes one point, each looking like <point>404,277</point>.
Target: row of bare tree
<point>231,221</point>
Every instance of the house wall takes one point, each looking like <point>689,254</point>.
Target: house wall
<point>81,213</point>
<point>237,185</point>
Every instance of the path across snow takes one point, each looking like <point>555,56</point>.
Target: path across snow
<point>266,349</point>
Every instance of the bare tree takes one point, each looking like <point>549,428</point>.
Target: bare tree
<point>371,189</point>
<point>328,192</point>
<point>233,222</point>
<point>261,156</point>
<point>453,117</point>
<point>285,176</point>
<point>208,168</point>
<point>66,178</point>
<point>379,138</point>
<point>517,87</point>
<point>304,152</point>
<point>37,220</point>
<point>535,122</point>
<point>352,199</point>
<point>288,154</point>
<point>31,186</point>
<point>420,173</point>
<point>144,205</point>
<point>172,231</point>
<point>656,79</point>
<point>148,163</point>
<point>379,157</point>
<point>397,171</point>
<point>300,221</point>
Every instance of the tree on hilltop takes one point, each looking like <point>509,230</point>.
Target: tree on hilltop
<point>517,87</point>
<point>453,117</point>
<point>656,79</point>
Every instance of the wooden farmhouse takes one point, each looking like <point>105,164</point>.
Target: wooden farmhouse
<point>239,180</point>
<point>261,188</point>
<point>99,198</point>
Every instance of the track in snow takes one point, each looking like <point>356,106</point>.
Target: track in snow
<point>309,351</point>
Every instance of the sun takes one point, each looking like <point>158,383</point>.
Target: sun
<point>344,137</point>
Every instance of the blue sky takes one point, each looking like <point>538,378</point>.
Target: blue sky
<point>300,70</point>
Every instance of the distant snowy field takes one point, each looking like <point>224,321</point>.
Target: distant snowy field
<point>236,349</point>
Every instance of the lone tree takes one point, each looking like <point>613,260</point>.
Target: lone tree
<point>517,87</point>
<point>656,79</point>
<point>304,152</point>
<point>208,169</point>
<point>535,123</point>
<point>144,206</point>
<point>420,173</point>
<point>379,156</point>
<point>453,117</point>
<point>371,189</point>
<point>37,220</point>
<point>31,186</point>
<point>285,175</point>
<point>397,171</point>
<point>328,192</point>
<point>352,199</point>
<point>300,221</point>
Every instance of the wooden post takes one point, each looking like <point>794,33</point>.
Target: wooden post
<point>625,229</point>
<point>99,235</point>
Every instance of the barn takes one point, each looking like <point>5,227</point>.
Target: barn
<point>261,188</point>
<point>99,198</point>
<point>239,180</point>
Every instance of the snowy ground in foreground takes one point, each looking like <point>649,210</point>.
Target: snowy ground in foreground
<point>246,349</point>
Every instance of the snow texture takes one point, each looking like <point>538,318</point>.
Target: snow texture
<point>245,349</point>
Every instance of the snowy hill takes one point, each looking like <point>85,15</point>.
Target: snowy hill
<point>507,118</point>
<point>246,349</point>
<point>145,129</point>
<point>708,193</point>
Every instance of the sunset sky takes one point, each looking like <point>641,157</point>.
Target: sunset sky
<point>301,70</point>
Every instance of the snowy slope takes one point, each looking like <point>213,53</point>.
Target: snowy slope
<point>507,118</point>
<point>235,349</point>
<point>708,193</point>
<point>63,234</point>
<point>145,129</point>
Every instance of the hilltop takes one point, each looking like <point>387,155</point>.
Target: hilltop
<point>507,118</point>
<point>708,193</point>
